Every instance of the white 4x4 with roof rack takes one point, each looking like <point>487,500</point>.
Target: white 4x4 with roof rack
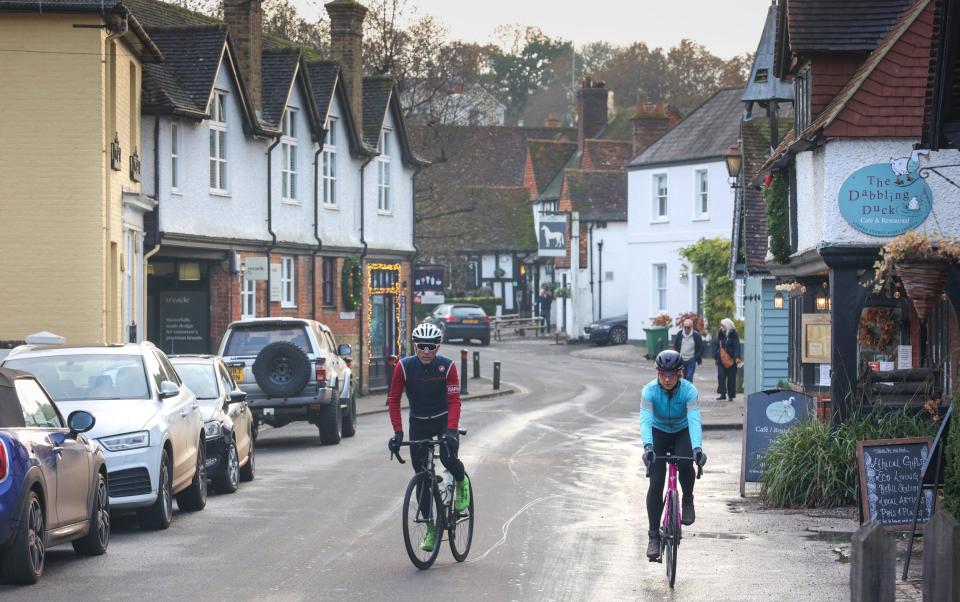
<point>292,370</point>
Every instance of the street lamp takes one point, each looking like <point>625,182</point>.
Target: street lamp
<point>734,160</point>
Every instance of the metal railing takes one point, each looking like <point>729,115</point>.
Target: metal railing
<point>514,326</point>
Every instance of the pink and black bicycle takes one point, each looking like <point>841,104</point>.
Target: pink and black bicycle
<point>670,527</point>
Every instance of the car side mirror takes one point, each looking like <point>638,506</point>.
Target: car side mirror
<point>237,396</point>
<point>344,349</point>
<point>169,389</point>
<point>80,421</point>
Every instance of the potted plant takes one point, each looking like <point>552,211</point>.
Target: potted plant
<point>562,293</point>
<point>698,321</point>
<point>657,334</point>
<point>922,261</point>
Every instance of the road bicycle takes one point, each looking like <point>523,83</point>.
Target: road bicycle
<point>670,531</point>
<point>429,498</point>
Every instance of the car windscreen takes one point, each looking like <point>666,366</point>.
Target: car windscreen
<point>85,377</point>
<point>200,378</point>
<point>468,312</point>
<point>250,340</point>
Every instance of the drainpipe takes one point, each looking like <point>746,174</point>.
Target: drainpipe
<point>273,235</point>
<point>316,227</point>
<point>590,246</point>
<point>157,234</point>
<point>363,254</point>
<point>413,237</point>
<point>599,279</point>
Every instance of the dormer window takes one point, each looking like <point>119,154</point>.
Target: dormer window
<point>801,94</point>
<point>288,144</point>
<point>384,202</point>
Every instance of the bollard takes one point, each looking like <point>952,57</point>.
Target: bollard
<point>873,564</point>
<point>463,372</point>
<point>941,554</point>
<point>476,364</point>
<point>496,376</point>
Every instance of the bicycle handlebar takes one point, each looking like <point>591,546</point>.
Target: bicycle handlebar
<point>431,442</point>
<point>674,460</point>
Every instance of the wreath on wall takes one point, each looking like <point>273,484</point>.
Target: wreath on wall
<point>878,328</point>
<point>350,284</point>
<point>775,192</point>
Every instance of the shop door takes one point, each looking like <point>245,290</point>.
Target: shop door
<point>383,337</point>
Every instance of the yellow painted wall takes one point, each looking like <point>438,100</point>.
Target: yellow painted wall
<point>60,203</point>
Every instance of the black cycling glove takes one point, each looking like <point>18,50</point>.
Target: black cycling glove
<point>452,437</point>
<point>699,456</point>
<point>649,456</point>
<point>394,443</point>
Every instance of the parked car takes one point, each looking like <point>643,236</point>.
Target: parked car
<point>608,330</point>
<point>53,480</point>
<point>292,370</point>
<point>227,420</point>
<point>461,321</point>
<point>147,421</point>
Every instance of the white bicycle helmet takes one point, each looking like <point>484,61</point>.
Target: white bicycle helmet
<point>427,333</point>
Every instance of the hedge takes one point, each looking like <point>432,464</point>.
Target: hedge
<point>489,305</point>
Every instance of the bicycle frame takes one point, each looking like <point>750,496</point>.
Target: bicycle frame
<point>671,487</point>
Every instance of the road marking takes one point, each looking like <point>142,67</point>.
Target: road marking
<point>506,526</point>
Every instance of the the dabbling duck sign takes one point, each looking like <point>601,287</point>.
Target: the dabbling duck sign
<point>887,199</point>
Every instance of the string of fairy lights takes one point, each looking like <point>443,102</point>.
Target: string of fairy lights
<point>395,290</point>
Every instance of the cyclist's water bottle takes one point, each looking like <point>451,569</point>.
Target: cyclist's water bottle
<point>447,486</point>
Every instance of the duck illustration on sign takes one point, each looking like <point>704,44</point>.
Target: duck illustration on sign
<point>887,199</point>
<point>781,412</point>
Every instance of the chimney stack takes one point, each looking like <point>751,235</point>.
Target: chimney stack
<point>551,121</point>
<point>346,45</point>
<point>649,124</point>
<point>244,20</point>
<point>591,109</point>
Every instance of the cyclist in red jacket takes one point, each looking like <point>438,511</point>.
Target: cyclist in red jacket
<point>433,391</point>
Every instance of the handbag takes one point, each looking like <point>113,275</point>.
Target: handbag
<point>725,358</point>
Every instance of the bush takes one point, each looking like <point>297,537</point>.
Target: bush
<point>951,485</point>
<point>489,305</point>
<point>814,464</point>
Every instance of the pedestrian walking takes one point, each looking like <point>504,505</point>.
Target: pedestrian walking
<point>728,359</point>
<point>689,344</point>
<point>544,301</point>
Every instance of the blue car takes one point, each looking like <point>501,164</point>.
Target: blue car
<point>53,480</point>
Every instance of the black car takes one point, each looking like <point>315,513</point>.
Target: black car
<point>608,330</point>
<point>227,420</point>
<point>461,321</point>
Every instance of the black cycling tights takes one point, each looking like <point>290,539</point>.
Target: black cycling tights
<point>679,445</point>
<point>424,429</point>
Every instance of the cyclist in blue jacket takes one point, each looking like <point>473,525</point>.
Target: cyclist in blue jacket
<point>669,421</point>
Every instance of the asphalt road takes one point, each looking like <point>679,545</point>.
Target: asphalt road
<point>559,493</point>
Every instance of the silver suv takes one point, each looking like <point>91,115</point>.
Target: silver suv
<point>292,370</point>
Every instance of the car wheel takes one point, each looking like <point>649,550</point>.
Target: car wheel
<point>330,424</point>
<point>444,338</point>
<point>159,515</point>
<point>618,335</point>
<point>95,542</point>
<point>249,470</point>
<point>229,481</point>
<point>282,369</point>
<point>349,426</point>
<point>194,497</point>
<point>254,430</point>
<point>23,560</point>
<point>485,340</point>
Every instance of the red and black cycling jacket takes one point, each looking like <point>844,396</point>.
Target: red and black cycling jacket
<point>432,390</point>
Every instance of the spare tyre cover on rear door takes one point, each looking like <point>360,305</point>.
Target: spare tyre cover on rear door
<point>282,369</point>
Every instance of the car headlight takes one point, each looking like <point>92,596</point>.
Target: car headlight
<point>126,441</point>
<point>212,429</point>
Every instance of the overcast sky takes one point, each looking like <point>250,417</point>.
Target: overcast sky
<point>725,27</point>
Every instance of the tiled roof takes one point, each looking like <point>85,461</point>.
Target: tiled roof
<point>840,26</point>
<point>705,133</point>
<point>547,158</point>
<point>606,154</point>
<point>555,187</point>
<point>885,97</point>
<point>184,80</point>
<point>619,128</point>
<point>323,80</point>
<point>503,220</point>
<point>376,100</point>
<point>277,70</point>
<point>597,195</point>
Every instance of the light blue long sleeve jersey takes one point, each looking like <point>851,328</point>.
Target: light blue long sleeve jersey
<point>671,413</point>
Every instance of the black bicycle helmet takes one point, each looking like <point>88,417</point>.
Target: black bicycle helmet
<point>669,360</point>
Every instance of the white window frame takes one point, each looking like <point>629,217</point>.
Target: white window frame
<point>219,168</point>
<point>175,157</point>
<point>659,287</point>
<point>248,299</point>
<point>740,291</point>
<point>288,281</point>
<point>384,200</point>
<point>289,171</point>
<point>328,166</point>
<point>655,205</point>
<point>701,194</point>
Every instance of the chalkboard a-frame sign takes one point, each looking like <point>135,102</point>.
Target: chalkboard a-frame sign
<point>889,479</point>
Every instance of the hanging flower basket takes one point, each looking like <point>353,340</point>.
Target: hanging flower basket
<point>924,281</point>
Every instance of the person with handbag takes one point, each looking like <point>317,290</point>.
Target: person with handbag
<point>728,358</point>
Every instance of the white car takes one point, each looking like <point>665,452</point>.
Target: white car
<point>148,423</point>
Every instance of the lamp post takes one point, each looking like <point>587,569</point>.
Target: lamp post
<point>734,160</point>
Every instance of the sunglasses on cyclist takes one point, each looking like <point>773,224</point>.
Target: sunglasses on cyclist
<point>427,346</point>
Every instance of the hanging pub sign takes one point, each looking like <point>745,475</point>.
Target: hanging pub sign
<point>887,199</point>
<point>552,234</point>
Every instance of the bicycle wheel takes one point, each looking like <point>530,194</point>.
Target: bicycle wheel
<point>421,506</point>
<point>672,540</point>
<point>461,529</point>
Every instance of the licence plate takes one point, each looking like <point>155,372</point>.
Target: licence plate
<point>469,321</point>
<point>237,373</point>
